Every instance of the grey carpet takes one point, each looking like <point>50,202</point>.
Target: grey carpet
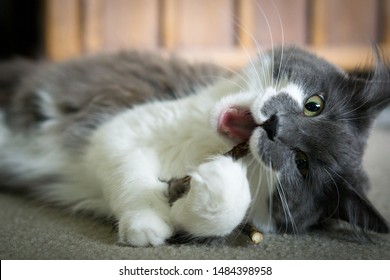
<point>29,230</point>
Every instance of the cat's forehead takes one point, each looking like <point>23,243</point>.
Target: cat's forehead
<point>286,59</point>
<point>282,67</point>
<point>303,68</point>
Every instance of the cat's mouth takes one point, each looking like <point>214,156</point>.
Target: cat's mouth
<point>236,123</point>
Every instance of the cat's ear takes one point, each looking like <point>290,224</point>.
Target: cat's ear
<point>352,206</point>
<point>372,94</point>
<point>358,211</point>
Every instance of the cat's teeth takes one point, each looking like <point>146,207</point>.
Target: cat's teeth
<point>232,110</point>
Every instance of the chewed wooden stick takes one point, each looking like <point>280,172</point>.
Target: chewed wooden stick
<point>177,187</point>
<point>254,234</point>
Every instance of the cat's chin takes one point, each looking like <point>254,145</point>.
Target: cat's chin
<point>236,123</point>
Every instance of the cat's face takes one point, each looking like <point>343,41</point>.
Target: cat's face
<point>307,123</point>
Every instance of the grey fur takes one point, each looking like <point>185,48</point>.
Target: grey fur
<point>333,141</point>
<point>87,91</point>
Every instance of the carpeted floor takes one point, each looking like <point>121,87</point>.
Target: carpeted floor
<point>29,230</point>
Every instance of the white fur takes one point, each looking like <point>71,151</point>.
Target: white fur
<point>123,169</point>
<point>130,156</point>
<point>296,93</point>
<point>293,90</point>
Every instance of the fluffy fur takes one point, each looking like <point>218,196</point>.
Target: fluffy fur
<point>104,134</point>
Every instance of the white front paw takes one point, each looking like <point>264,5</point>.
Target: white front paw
<point>144,228</point>
<point>217,201</point>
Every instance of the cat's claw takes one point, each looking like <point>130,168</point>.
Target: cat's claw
<point>144,228</point>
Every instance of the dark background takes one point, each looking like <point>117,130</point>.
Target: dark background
<point>20,29</point>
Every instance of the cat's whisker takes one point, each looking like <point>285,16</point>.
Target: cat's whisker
<point>276,10</point>
<point>366,116</point>
<point>338,175</point>
<point>271,77</point>
<point>286,209</point>
<point>354,109</point>
<point>265,75</point>
<point>355,118</point>
<point>352,222</point>
<point>251,167</point>
<point>282,70</point>
<point>243,28</point>
<point>244,79</point>
<point>363,103</point>
<point>270,200</point>
<point>259,50</point>
<point>338,195</point>
<point>250,179</point>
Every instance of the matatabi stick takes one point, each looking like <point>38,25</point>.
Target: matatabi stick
<point>254,234</point>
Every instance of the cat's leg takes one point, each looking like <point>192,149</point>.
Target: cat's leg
<point>217,201</point>
<point>135,196</point>
<point>140,203</point>
<point>148,223</point>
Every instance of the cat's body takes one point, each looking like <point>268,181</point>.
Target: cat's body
<point>106,134</point>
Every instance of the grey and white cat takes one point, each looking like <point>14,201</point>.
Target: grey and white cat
<point>104,134</point>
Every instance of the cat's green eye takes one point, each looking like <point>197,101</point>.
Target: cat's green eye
<point>314,106</point>
<point>302,163</point>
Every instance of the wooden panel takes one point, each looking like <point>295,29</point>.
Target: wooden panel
<point>245,23</point>
<point>168,21</point>
<point>129,24</point>
<point>221,30</point>
<point>317,23</point>
<point>92,11</point>
<point>346,22</point>
<point>281,21</point>
<point>350,57</point>
<point>62,29</point>
<point>204,23</point>
<point>346,57</point>
<point>385,24</point>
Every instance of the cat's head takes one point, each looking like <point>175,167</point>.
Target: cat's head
<point>307,122</point>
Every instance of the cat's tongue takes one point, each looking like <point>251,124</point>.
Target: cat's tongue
<point>236,123</point>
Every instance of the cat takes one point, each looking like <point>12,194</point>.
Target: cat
<point>104,134</point>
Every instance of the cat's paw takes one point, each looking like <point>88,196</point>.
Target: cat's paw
<point>217,201</point>
<point>144,228</point>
